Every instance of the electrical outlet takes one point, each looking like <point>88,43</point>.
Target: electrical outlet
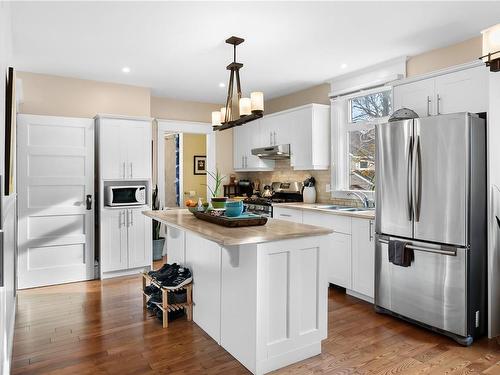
<point>328,188</point>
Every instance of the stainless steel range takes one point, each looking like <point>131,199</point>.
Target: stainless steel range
<point>282,192</point>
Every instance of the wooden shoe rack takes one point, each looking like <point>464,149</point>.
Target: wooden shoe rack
<point>165,306</point>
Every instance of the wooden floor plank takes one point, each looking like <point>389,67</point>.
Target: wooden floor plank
<point>100,327</point>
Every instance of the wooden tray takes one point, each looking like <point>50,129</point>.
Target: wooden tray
<point>245,220</point>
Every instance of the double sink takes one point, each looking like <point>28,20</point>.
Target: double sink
<point>343,208</point>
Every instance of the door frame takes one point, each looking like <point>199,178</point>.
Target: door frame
<point>177,126</point>
<point>181,165</point>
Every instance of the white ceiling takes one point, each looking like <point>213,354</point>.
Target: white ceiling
<point>178,49</point>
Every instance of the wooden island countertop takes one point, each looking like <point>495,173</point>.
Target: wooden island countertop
<point>274,230</point>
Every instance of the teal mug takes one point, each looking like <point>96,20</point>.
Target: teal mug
<point>234,208</point>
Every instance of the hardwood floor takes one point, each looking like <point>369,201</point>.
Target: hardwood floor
<point>101,328</point>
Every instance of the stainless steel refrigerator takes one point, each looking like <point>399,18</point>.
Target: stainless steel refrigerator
<point>431,193</point>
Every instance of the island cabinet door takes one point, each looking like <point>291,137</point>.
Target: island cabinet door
<point>292,300</point>
<point>203,257</point>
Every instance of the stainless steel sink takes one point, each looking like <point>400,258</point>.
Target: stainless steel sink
<point>355,209</point>
<point>343,208</point>
<point>330,207</point>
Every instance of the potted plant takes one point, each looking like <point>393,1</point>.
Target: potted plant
<point>158,241</point>
<point>216,200</point>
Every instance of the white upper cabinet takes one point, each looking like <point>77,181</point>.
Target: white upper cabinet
<point>418,96</point>
<point>124,148</point>
<point>306,129</point>
<point>464,90</point>
<point>245,138</point>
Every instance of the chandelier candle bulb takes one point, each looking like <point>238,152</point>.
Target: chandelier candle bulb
<point>223,115</point>
<point>245,106</point>
<point>216,118</point>
<point>257,99</point>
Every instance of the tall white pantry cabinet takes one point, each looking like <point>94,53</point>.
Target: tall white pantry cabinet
<point>124,157</point>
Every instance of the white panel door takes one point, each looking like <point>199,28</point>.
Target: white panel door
<point>140,252</point>
<point>113,240</point>
<point>462,91</point>
<point>112,151</point>
<point>56,175</point>
<point>136,136</point>
<point>363,257</point>
<point>418,96</point>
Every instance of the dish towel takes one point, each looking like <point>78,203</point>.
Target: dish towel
<point>399,254</point>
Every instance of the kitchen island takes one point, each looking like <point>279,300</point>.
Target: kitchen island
<point>259,292</point>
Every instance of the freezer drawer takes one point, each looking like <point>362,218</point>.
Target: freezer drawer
<point>431,291</point>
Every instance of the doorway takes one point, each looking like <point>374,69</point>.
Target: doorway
<point>186,151</point>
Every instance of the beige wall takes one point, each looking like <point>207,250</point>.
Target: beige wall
<point>172,109</point>
<point>193,144</point>
<point>62,96</point>
<point>460,53</point>
<point>316,94</point>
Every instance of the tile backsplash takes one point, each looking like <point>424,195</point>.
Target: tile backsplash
<point>283,173</point>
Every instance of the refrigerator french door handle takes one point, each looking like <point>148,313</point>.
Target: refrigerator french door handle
<point>417,178</point>
<point>428,105</point>
<point>426,249</point>
<point>408,179</point>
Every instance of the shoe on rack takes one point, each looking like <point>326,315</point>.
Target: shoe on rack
<point>156,298</point>
<point>178,296</point>
<point>182,278</point>
<point>165,268</point>
<point>167,273</point>
<point>150,289</point>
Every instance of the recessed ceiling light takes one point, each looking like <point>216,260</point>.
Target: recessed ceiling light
<point>222,84</point>
<point>126,69</point>
<point>343,66</point>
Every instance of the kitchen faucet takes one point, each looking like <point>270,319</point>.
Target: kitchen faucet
<point>362,197</point>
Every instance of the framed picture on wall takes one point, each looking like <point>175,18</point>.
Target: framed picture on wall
<point>200,164</point>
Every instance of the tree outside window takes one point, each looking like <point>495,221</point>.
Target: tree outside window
<point>364,112</point>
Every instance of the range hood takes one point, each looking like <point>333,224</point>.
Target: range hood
<point>278,152</point>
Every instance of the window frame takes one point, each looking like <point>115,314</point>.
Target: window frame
<point>341,126</point>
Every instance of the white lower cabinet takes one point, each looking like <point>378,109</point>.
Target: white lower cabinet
<point>339,260</point>
<point>350,250</point>
<point>288,214</point>
<point>363,256</point>
<point>125,243</point>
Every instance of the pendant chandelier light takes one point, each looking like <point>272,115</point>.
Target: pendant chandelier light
<point>249,108</point>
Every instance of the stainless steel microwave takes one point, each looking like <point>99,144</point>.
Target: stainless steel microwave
<point>132,195</point>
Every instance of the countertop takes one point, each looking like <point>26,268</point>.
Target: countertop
<point>368,214</point>
<point>274,230</point>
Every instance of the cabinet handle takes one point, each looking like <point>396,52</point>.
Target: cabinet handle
<point>428,105</point>
<point>286,215</point>
<point>275,143</point>
<point>370,236</point>
<point>438,102</point>
<point>131,171</point>
<point>131,218</point>
<point>270,138</point>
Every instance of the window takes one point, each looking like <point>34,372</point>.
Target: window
<point>354,153</point>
